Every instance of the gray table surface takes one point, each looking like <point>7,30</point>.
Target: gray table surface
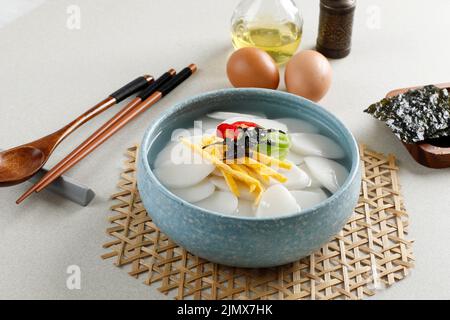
<point>51,73</point>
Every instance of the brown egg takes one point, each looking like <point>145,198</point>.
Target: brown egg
<point>252,67</point>
<point>308,74</point>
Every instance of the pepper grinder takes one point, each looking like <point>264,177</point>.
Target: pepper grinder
<point>335,27</point>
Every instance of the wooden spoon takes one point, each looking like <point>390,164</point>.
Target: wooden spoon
<point>21,163</point>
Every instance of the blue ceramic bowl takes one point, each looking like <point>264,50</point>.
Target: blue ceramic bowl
<point>247,241</point>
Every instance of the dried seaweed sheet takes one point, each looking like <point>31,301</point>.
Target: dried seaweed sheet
<point>415,115</point>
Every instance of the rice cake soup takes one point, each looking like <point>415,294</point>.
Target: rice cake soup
<point>249,165</point>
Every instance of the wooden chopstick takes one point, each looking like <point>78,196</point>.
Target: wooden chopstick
<point>150,96</point>
<point>133,103</point>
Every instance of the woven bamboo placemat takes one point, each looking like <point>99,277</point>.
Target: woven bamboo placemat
<point>370,253</point>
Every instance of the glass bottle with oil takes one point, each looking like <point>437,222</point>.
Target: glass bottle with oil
<point>274,26</point>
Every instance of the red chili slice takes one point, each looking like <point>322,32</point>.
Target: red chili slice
<point>231,130</point>
<point>245,124</point>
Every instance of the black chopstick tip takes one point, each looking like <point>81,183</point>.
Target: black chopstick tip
<point>193,67</point>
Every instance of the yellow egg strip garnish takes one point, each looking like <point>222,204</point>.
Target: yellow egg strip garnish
<point>252,187</point>
<point>264,170</point>
<point>254,172</point>
<point>247,170</point>
<point>258,198</point>
<point>268,160</point>
<point>221,165</point>
<point>239,168</point>
<point>206,140</point>
<point>230,182</point>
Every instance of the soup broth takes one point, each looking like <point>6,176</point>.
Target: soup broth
<point>247,164</point>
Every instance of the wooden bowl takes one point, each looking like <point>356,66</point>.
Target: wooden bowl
<point>430,153</point>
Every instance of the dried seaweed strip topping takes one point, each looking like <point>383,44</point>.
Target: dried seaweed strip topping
<point>415,115</point>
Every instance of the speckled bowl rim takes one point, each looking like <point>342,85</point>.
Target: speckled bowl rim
<point>282,95</point>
